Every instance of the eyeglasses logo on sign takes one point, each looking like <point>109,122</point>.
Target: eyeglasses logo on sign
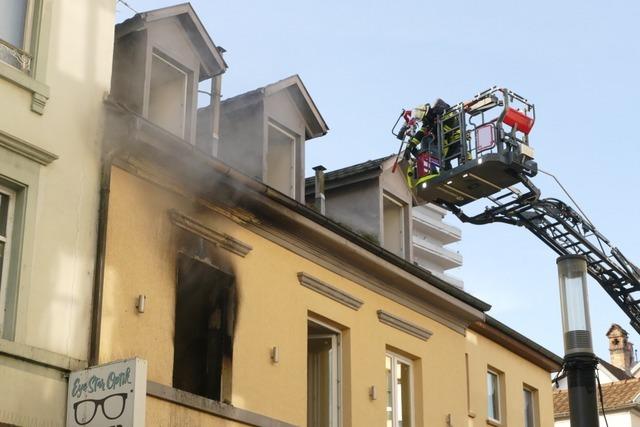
<point>110,395</point>
<point>112,407</point>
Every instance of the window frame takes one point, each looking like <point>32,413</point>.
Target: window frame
<point>404,223</point>
<point>32,79</point>
<point>294,161</point>
<point>188,81</point>
<point>533,392</point>
<point>395,357</point>
<point>336,363</point>
<point>27,37</point>
<point>6,255</point>
<point>499,393</point>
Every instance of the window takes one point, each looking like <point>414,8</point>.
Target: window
<point>323,375</point>
<point>168,98</point>
<point>494,406</point>
<point>530,407</point>
<point>394,215</point>
<point>7,209</point>
<point>281,159</point>
<point>399,391</point>
<point>203,343</point>
<point>20,28</point>
<point>15,34</point>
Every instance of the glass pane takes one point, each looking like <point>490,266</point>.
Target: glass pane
<point>528,408</point>
<point>493,403</point>
<point>4,214</point>
<point>12,20</point>
<point>576,315</point>
<point>387,365</point>
<point>319,382</point>
<point>404,394</point>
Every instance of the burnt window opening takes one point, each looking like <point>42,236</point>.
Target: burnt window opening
<point>203,343</point>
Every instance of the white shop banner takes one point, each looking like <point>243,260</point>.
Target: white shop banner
<point>109,395</point>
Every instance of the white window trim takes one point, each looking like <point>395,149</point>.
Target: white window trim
<point>499,393</point>
<point>336,366</point>
<point>6,261</point>
<point>394,379</point>
<point>294,142</point>
<point>403,220</point>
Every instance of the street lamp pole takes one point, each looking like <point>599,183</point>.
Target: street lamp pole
<point>580,361</point>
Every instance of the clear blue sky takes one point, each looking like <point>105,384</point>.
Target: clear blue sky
<point>362,61</point>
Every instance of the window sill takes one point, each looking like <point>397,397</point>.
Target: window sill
<point>40,356</point>
<point>493,423</point>
<point>212,407</point>
<point>39,90</point>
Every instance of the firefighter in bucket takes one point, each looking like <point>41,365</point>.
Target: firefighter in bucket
<point>422,155</point>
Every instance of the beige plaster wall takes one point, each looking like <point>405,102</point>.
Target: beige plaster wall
<point>517,372</point>
<point>273,311</point>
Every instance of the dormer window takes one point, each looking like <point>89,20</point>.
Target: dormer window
<point>281,159</point>
<point>159,59</point>
<point>263,134</point>
<point>168,95</point>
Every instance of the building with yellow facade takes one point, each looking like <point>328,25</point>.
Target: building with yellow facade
<point>250,307</point>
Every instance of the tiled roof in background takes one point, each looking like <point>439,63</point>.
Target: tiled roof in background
<point>616,395</point>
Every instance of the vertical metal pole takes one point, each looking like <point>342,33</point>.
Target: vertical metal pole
<point>583,402</point>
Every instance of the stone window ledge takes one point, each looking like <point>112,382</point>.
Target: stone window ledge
<point>39,90</point>
<point>40,356</point>
<point>212,407</point>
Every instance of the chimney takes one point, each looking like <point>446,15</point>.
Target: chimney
<point>620,349</point>
<point>319,203</point>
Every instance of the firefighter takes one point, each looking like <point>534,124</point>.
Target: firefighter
<point>425,139</point>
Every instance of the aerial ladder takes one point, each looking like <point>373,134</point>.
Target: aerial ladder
<point>480,149</point>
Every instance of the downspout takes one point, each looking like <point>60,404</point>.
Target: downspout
<point>98,276</point>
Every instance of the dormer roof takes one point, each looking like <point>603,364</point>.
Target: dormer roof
<point>211,56</point>
<point>351,174</point>
<point>293,85</point>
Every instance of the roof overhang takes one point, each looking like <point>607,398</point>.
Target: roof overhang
<point>517,343</point>
<point>315,124</point>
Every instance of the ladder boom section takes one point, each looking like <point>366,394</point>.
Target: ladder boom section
<point>567,232</point>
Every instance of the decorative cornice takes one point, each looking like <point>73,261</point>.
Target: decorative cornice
<point>404,326</point>
<point>26,149</point>
<point>329,291</point>
<point>222,240</point>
